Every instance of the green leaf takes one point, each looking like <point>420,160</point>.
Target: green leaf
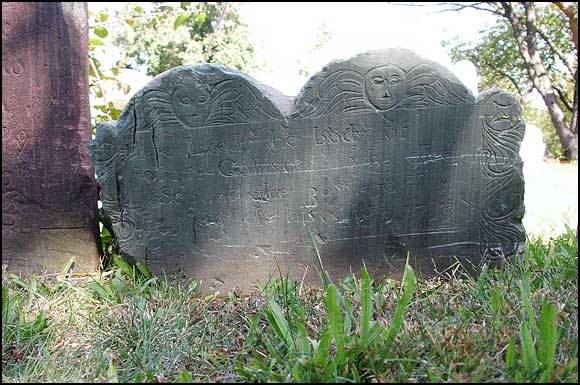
<point>145,285</point>
<point>66,269</point>
<point>185,377</point>
<point>303,345</point>
<point>528,353</point>
<point>366,305</point>
<point>495,299</point>
<point>95,42</point>
<point>321,355</point>
<point>525,296</point>
<point>34,327</point>
<point>123,265</point>
<point>4,304</point>
<point>152,23</point>
<point>100,290</point>
<point>548,335</point>
<point>409,283</point>
<point>336,323</point>
<point>279,322</point>
<point>201,17</point>
<point>251,334</point>
<point>510,354</point>
<point>102,17</point>
<point>20,282</point>
<point>112,376</point>
<point>296,373</point>
<point>180,20</point>
<point>324,277</point>
<point>101,31</point>
<point>144,270</point>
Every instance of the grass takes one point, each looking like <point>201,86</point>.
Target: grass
<point>519,323</point>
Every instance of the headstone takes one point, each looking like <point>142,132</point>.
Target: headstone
<point>385,155</point>
<point>49,192</point>
<point>533,148</point>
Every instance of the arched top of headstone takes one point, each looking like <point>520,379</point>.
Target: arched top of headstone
<point>379,81</point>
<point>204,95</point>
<point>183,98</point>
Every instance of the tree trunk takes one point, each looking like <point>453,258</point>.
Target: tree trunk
<point>539,76</point>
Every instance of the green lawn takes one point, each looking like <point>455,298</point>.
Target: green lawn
<point>516,324</point>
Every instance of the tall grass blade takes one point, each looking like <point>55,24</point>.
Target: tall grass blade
<point>303,344</point>
<point>321,355</point>
<point>144,270</point>
<point>528,353</point>
<point>279,322</point>
<point>112,376</point>
<point>68,266</point>
<point>409,283</point>
<point>35,326</point>
<point>548,335</point>
<point>323,275</point>
<point>525,295</point>
<point>185,377</point>
<point>336,323</point>
<point>366,305</point>
<point>4,304</point>
<point>20,282</point>
<point>123,265</point>
<point>510,354</point>
<point>100,290</point>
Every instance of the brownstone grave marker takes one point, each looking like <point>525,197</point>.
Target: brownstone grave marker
<point>48,185</point>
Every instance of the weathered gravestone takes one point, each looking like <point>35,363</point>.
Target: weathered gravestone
<point>48,186</point>
<point>213,175</point>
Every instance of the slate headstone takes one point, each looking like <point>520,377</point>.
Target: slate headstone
<point>49,197</point>
<point>211,175</point>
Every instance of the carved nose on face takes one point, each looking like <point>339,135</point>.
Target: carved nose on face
<point>387,92</point>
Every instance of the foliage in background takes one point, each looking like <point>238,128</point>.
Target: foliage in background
<point>154,37</point>
<point>173,34</point>
<point>499,63</point>
<point>102,80</point>
<point>532,46</point>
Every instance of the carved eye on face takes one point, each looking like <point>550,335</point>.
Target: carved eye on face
<point>202,98</point>
<point>377,80</point>
<point>186,101</point>
<point>395,79</point>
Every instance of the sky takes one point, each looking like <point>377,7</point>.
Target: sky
<point>284,36</point>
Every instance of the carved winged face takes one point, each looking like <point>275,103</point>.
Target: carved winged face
<point>191,103</point>
<point>385,86</point>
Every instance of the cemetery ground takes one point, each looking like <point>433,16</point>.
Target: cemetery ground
<point>519,323</point>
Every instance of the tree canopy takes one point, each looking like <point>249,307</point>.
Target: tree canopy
<point>154,37</point>
<point>172,34</point>
<point>533,46</point>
